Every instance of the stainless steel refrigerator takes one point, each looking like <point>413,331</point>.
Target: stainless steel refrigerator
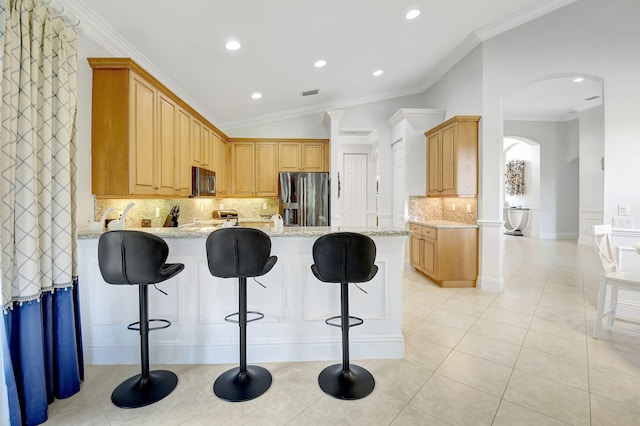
<point>304,198</point>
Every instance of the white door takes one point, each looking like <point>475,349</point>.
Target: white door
<point>355,190</point>
<point>398,176</point>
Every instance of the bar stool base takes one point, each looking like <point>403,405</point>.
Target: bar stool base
<point>138,392</point>
<point>235,387</point>
<point>355,383</point>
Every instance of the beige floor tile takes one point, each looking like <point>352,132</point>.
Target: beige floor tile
<point>616,341</point>
<point>551,367</point>
<point>274,407</point>
<point>441,398</point>
<point>398,377</point>
<point>510,414</point>
<point>412,416</point>
<point>613,385</point>
<point>500,331</point>
<point>379,408</point>
<point>476,372</point>
<point>574,348</point>
<point>198,379</point>
<point>310,418</point>
<point>607,412</point>
<point>451,318</point>
<point>549,398</point>
<point>300,380</point>
<point>508,317</point>
<point>464,307</point>
<point>83,408</point>
<point>438,333</point>
<point>203,419</point>
<point>490,349</point>
<point>474,296</point>
<point>422,352</point>
<point>514,305</point>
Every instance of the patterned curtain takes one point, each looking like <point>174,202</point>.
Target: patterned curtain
<point>37,209</point>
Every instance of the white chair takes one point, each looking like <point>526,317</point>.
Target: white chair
<point>614,278</point>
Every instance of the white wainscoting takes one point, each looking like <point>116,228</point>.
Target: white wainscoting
<point>586,219</point>
<point>294,302</point>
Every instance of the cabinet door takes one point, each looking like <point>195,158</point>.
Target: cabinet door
<point>433,164</point>
<point>313,157</point>
<point>183,142</point>
<point>414,251</point>
<point>429,261</point>
<point>266,173</point>
<point>196,143</point>
<point>327,161</point>
<point>142,137</point>
<point>242,169</point>
<point>448,155</point>
<point>289,157</point>
<point>206,148</point>
<point>166,141</point>
<point>223,168</point>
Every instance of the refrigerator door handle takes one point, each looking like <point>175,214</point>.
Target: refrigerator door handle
<point>303,203</point>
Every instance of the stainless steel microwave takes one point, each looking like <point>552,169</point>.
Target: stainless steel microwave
<point>203,182</point>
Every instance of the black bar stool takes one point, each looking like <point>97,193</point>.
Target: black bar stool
<point>241,253</point>
<point>345,257</point>
<point>138,258</point>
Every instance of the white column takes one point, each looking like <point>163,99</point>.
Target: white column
<point>332,119</point>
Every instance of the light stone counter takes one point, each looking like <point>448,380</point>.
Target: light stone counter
<point>438,223</point>
<point>294,302</point>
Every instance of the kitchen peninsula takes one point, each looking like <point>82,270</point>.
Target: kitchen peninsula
<point>295,304</point>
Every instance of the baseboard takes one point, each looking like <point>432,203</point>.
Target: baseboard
<point>359,347</point>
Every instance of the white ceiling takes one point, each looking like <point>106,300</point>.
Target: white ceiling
<point>182,43</point>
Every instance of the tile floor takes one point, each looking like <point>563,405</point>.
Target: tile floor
<point>524,357</point>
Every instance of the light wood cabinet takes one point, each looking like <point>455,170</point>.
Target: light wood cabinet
<point>222,174</point>
<point>452,158</point>
<point>254,169</point>
<point>448,256</point>
<point>144,139</point>
<point>303,157</point>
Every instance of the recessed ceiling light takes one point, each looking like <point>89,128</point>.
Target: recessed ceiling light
<point>320,63</point>
<point>378,73</point>
<point>412,14</point>
<point>232,45</point>
<point>578,79</point>
<point>256,95</point>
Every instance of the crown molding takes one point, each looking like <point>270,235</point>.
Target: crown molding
<point>95,28</point>
<point>488,31</point>
<point>412,114</point>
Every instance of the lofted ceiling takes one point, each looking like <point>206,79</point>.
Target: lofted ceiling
<point>183,44</point>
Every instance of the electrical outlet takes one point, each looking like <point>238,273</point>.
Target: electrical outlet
<point>119,215</point>
<point>453,207</point>
<point>157,211</point>
<point>201,207</point>
<point>264,206</point>
<point>623,209</point>
<point>623,222</point>
<point>221,206</point>
<point>469,210</point>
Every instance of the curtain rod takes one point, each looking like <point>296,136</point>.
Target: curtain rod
<point>61,11</point>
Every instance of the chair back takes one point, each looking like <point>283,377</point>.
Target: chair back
<point>603,247</point>
<point>131,257</point>
<point>344,257</point>
<point>239,252</point>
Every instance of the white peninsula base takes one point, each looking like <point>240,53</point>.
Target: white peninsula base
<point>294,302</point>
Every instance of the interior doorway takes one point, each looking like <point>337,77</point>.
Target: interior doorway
<point>355,189</point>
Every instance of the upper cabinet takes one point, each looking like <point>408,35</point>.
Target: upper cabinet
<point>303,156</point>
<point>452,158</point>
<point>144,139</point>
<point>254,169</point>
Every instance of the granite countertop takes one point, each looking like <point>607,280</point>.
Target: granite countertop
<point>202,231</point>
<point>439,223</point>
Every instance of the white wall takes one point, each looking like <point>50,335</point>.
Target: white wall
<point>558,209</point>
<point>85,200</point>
<point>591,173</point>
<point>309,126</point>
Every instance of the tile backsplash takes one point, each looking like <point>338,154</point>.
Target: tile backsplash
<point>454,209</point>
<point>190,208</point>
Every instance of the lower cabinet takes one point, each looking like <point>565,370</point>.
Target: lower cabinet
<point>447,256</point>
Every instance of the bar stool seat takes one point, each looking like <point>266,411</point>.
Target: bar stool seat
<point>345,257</point>
<point>241,253</point>
<point>138,258</point>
